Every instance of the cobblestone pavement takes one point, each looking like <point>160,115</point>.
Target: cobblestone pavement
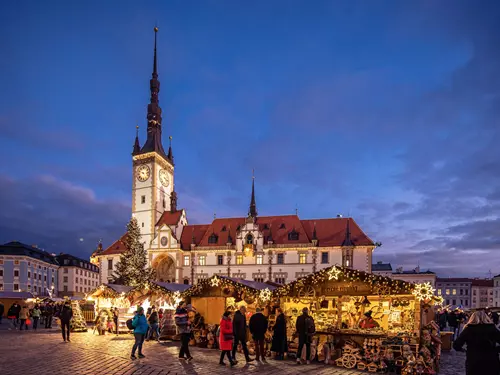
<point>44,353</point>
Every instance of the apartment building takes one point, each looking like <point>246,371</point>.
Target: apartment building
<point>76,276</point>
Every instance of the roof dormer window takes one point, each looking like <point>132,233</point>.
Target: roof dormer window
<point>266,226</point>
<point>223,229</point>
<point>249,239</point>
<point>293,235</point>
<point>213,238</point>
<point>282,226</point>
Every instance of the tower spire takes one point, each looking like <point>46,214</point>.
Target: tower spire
<point>153,142</point>
<point>170,154</point>
<point>347,240</point>
<point>137,146</point>
<point>252,211</point>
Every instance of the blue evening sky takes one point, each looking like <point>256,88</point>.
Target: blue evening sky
<point>387,111</point>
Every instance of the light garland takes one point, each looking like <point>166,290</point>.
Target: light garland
<point>423,292</point>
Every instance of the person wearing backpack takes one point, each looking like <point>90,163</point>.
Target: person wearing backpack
<point>305,330</point>
<point>140,325</point>
<point>258,328</point>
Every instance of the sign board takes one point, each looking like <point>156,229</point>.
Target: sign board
<point>336,288</point>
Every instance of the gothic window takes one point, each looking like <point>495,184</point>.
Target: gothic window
<point>213,238</point>
<point>347,258</point>
<point>249,239</point>
<point>302,258</point>
<point>293,236</point>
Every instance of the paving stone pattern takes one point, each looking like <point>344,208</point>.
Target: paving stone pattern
<point>44,353</point>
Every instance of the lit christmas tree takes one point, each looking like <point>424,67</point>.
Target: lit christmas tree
<point>78,322</point>
<point>132,268</point>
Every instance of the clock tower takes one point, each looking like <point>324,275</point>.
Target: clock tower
<point>153,169</point>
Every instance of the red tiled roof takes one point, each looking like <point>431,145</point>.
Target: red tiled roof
<point>117,247</point>
<point>331,232</point>
<point>192,230</point>
<point>169,218</point>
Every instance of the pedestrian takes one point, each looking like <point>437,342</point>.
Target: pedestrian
<point>258,328</point>
<point>65,315</point>
<point>184,329</point>
<point>305,330</point>
<point>24,315</point>
<point>2,310</point>
<point>240,332</point>
<point>481,337</point>
<point>153,325</point>
<point>140,325</point>
<point>12,314</point>
<point>453,323</point>
<point>116,315</point>
<point>35,314</point>
<point>279,344</point>
<point>49,314</point>
<point>443,319</point>
<point>226,339</point>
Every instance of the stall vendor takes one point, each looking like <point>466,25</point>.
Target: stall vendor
<point>368,322</point>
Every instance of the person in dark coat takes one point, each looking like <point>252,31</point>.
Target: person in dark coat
<point>2,310</point>
<point>258,329</point>
<point>279,345</point>
<point>66,315</point>
<point>442,319</point>
<point>240,332</point>
<point>453,322</point>
<point>13,313</point>
<point>305,330</point>
<point>49,314</point>
<point>184,329</point>
<point>481,336</point>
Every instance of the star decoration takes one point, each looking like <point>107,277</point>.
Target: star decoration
<point>265,295</point>
<point>423,292</point>
<point>334,273</point>
<point>215,281</point>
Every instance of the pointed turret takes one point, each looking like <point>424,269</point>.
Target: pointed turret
<point>170,155</point>
<point>137,146</point>
<point>173,201</point>
<point>153,141</point>
<point>229,238</point>
<point>252,211</point>
<point>347,240</point>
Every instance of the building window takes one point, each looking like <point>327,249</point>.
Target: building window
<point>202,260</point>
<point>439,292</point>
<point>1,273</point>
<point>213,238</point>
<point>143,199</point>
<point>110,264</point>
<point>220,260</point>
<point>454,302</point>
<point>35,288</point>
<point>280,259</point>
<point>454,292</point>
<point>347,258</point>
<point>466,292</point>
<point>258,279</point>
<point>279,280</point>
<point>142,224</point>
<point>223,229</point>
<point>302,258</point>
<point>65,288</point>
<point>16,287</point>
<point>1,286</point>
<point>44,277</point>
<point>40,276</point>
<point>324,257</point>
<point>16,273</point>
<point>249,240</point>
<point>65,270</point>
<point>474,292</point>
<point>447,292</point>
<point>260,258</point>
<point>461,292</point>
<point>186,260</point>
<point>447,301</point>
<point>186,281</point>
<point>239,259</point>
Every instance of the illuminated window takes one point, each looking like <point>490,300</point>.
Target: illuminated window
<point>302,258</point>
<point>447,292</point>
<point>454,291</point>
<point>239,259</point>
<point>439,292</point>
<point>186,260</point>
<point>202,260</point>
<point>260,259</point>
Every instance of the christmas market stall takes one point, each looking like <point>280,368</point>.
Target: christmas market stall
<point>362,321</point>
<point>213,296</point>
<point>110,299</point>
<point>165,297</point>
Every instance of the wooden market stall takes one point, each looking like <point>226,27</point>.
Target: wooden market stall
<point>341,302</point>
<point>212,297</point>
<point>106,298</point>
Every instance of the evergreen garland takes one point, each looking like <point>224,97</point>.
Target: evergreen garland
<point>132,269</point>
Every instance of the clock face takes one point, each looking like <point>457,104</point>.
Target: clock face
<point>164,178</point>
<point>143,172</point>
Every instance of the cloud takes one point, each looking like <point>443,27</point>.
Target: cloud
<point>55,214</point>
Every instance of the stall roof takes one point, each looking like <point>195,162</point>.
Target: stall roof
<point>119,288</point>
<point>20,295</point>
<point>173,287</point>
<point>250,283</point>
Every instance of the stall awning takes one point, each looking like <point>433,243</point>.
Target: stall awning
<point>172,287</point>
<point>110,290</point>
<point>20,295</point>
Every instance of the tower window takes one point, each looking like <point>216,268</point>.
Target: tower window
<point>143,199</point>
<point>143,224</point>
<point>302,258</point>
<point>213,238</point>
<point>249,240</point>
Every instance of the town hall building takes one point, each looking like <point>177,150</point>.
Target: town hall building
<point>261,248</point>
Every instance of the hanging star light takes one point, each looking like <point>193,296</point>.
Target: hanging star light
<point>438,301</point>
<point>334,273</point>
<point>265,294</point>
<point>423,292</point>
<point>215,281</point>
